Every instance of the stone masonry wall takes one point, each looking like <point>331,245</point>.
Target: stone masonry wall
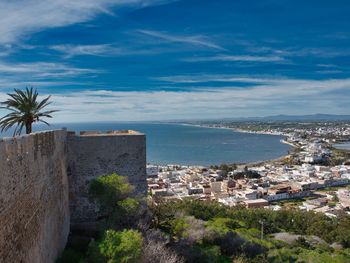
<point>44,180</point>
<point>34,207</point>
<point>93,155</point>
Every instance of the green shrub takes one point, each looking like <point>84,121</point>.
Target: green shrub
<point>117,247</point>
<point>222,225</point>
<point>125,214</point>
<point>109,189</point>
<point>119,210</point>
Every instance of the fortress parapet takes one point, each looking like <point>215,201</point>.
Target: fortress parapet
<point>95,153</point>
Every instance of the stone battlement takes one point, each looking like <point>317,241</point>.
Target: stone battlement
<point>107,133</point>
<point>44,180</point>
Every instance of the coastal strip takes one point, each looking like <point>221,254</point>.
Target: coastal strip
<point>254,163</point>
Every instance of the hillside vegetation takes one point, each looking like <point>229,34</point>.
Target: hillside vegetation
<point>195,231</point>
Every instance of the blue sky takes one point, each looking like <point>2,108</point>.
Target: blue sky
<point>113,60</point>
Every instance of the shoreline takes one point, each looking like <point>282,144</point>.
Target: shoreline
<point>289,143</point>
<point>282,141</point>
<point>234,129</point>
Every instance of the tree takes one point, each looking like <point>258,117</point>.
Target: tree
<point>25,110</point>
<point>222,225</point>
<point>108,190</point>
<point>117,247</point>
<point>117,209</point>
<point>127,213</point>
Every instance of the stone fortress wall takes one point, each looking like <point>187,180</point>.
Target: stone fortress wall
<point>34,207</point>
<point>93,154</point>
<point>44,179</point>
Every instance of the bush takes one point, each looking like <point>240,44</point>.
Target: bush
<point>126,213</point>
<point>109,189</point>
<point>231,244</point>
<point>119,210</point>
<point>157,252</point>
<point>222,225</point>
<point>117,247</point>
<point>303,243</point>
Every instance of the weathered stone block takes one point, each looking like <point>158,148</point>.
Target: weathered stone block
<point>44,180</point>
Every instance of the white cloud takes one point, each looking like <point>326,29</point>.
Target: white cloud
<point>88,50</point>
<point>196,40</point>
<point>273,96</point>
<point>21,17</point>
<point>43,70</point>
<point>327,66</point>
<point>243,58</point>
<point>14,83</point>
<point>330,71</point>
<point>43,74</point>
<point>216,78</point>
<point>321,52</point>
<point>102,50</point>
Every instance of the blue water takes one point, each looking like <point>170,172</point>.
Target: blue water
<point>190,145</point>
<point>342,146</point>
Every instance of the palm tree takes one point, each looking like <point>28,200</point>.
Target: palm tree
<point>25,110</point>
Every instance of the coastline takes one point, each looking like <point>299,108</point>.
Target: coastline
<point>234,129</point>
<point>283,141</point>
<point>289,143</point>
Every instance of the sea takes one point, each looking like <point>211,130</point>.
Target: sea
<point>342,146</point>
<point>169,143</point>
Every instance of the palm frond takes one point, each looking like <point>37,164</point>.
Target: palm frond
<point>25,109</point>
